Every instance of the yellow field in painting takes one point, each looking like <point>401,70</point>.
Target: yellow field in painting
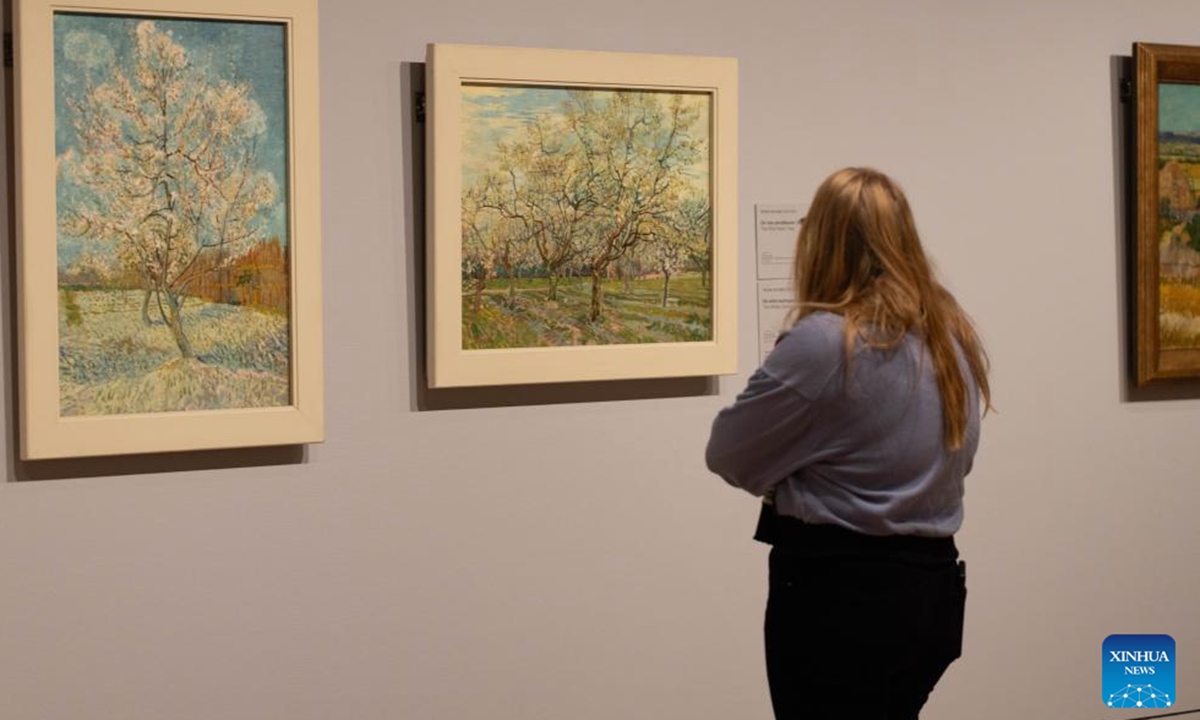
<point>111,363</point>
<point>1179,315</point>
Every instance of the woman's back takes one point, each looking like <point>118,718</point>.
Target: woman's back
<point>858,430</point>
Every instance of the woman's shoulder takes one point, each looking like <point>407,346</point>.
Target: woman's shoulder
<point>817,333</point>
<point>809,352</point>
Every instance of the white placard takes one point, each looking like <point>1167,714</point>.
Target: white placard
<point>775,230</point>
<point>775,299</point>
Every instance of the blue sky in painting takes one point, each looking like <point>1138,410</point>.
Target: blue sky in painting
<point>235,51</point>
<point>1178,108</point>
<point>495,113</point>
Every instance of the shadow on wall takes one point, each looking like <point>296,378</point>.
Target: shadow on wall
<point>412,84</point>
<point>70,468</point>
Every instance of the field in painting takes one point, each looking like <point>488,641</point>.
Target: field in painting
<point>1179,243</point>
<point>110,362</point>
<point>522,317</point>
<point>586,217</point>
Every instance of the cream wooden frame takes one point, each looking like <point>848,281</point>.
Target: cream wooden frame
<point>44,434</point>
<point>447,68</point>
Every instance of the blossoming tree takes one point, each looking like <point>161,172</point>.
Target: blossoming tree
<point>166,160</point>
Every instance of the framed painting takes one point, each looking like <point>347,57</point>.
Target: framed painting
<point>1167,254</point>
<point>582,215</point>
<point>168,225</point>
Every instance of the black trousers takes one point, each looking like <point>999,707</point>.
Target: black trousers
<point>859,627</point>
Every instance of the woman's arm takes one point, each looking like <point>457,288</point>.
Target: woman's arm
<point>780,423</point>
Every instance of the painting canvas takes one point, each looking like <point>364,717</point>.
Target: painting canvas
<point>586,216</point>
<point>168,225</point>
<point>1168,242</point>
<point>582,215</point>
<point>173,287</point>
<point>1179,219</point>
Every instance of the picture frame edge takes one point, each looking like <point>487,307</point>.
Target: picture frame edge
<point>445,364</point>
<point>44,434</point>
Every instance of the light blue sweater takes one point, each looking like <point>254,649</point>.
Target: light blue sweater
<point>865,453</point>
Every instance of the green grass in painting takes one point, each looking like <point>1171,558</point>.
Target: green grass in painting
<point>633,317</point>
<point>71,312</point>
<point>111,363</point>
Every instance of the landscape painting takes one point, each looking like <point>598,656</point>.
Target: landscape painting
<point>1179,216</point>
<point>586,216</point>
<point>171,192</point>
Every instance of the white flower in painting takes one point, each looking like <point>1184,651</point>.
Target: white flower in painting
<point>256,120</point>
<point>100,266</point>
<point>264,191</point>
<point>89,49</point>
<point>62,161</point>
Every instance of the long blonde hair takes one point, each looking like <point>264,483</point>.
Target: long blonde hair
<point>858,255</point>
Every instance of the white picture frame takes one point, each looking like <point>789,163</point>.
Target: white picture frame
<point>450,69</point>
<point>45,431</point>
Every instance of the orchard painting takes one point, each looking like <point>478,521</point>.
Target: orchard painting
<point>586,216</point>
<point>172,214</point>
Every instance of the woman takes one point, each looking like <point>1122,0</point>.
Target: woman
<point>858,430</point>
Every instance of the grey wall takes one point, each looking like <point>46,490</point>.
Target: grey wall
<point>575,560</point>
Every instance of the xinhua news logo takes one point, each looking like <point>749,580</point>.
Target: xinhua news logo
<point>1139,671</point>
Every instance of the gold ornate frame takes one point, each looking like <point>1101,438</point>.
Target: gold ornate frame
<point>1155,65</point>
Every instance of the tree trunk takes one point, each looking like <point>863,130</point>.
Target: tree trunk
<point>146,308</point>
<point>175,320</point>
<point>222,279</point>
<point>553,287</point>
<point>512,290</point>
<point>477,300</point>
<point>666,285</point>
<point>597,291</point>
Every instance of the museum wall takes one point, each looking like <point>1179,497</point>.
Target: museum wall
<point>568,556</point>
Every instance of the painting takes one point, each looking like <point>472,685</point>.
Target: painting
<point>582,215</point>
<point>172,214</point>
<point>1168,213</point>
<point>567,241</point>
<point>171,226</point>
